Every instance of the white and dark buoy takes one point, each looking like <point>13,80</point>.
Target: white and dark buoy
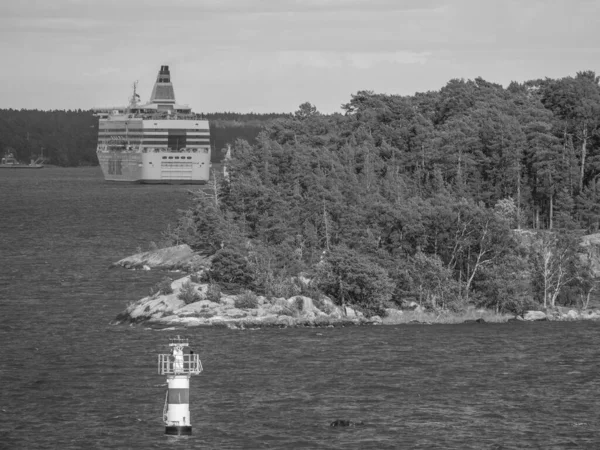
<point>179,367</point>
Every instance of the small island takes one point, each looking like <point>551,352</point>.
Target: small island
<point>475,203</point>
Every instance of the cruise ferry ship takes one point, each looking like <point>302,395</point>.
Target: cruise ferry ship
<point>156,142</point>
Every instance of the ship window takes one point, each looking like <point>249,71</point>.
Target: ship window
<point>189,157</point>
<point>164,157</point>
<point>170,157</point>
<point>177,157</point>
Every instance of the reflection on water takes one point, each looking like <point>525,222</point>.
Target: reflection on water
<point>71,380</point>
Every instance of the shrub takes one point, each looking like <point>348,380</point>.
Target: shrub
<point>283,287</point>
<point>350,277</point>
<point>292,309</point>
<point>189,294</point>
<point>231,288</point>
<point>196,277</point>
<point>163,287</point>
<point>230,266</point>
<point>309,290</point>
<point>321,305</point>
<point>213,292</point>
<point>299,303</point>
<point>372,310</point>
<point>247,300</point>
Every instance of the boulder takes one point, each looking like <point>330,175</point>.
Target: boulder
<point>285,321</point>
<point>352,313</point>
<point>336,314</point>
<point>375,320</point>
<point>151,308</point>
<point>480,320</point>
<point>591,315</point>
<point>307,304</point>
<point>228,300</point>
<point>572,315</point>
<point>393,313</point>
<point>534,316</point>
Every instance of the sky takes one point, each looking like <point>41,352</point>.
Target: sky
<point>273,55</point>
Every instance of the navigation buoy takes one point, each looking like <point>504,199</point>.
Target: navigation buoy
<point>179,367</point>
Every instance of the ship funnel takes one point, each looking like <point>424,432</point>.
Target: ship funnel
<point>163,92</point>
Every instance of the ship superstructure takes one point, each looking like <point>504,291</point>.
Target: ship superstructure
<point>157,142</point>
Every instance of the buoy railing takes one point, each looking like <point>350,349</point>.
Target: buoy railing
<point>184,364</point>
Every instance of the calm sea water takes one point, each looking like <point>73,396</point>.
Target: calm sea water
<point>71,380</point>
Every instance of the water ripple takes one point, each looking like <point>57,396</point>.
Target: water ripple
<point>70,380</point>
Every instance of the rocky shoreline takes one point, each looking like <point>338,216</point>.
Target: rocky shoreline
<point>171,310</point>
<point>168,310</point>
<point>187,302</point>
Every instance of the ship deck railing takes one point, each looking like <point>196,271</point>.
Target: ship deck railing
<point>186,364</point>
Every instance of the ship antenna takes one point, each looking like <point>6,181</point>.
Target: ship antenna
<point>133,101</point>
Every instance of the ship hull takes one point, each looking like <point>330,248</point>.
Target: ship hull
<point>132,150</point>
<point>155,168</point>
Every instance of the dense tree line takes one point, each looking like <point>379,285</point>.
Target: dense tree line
<point>473,194</point>
<point>69,138</point>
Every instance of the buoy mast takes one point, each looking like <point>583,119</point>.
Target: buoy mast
<point>179,367</point>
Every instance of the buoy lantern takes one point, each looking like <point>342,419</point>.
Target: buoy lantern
<point>179,366</point>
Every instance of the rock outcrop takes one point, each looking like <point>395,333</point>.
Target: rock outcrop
<point>179,257</point>
<point>533,316</point>
<point>230,310</point>
<point>170,309</point>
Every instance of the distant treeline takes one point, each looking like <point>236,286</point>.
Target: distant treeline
<point>69,138</point>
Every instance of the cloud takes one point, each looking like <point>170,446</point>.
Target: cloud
<point>322,60</point>
<point>184,10</point>
<point>103,72</point>
<point>367,60</point>
<point>358,60</point>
